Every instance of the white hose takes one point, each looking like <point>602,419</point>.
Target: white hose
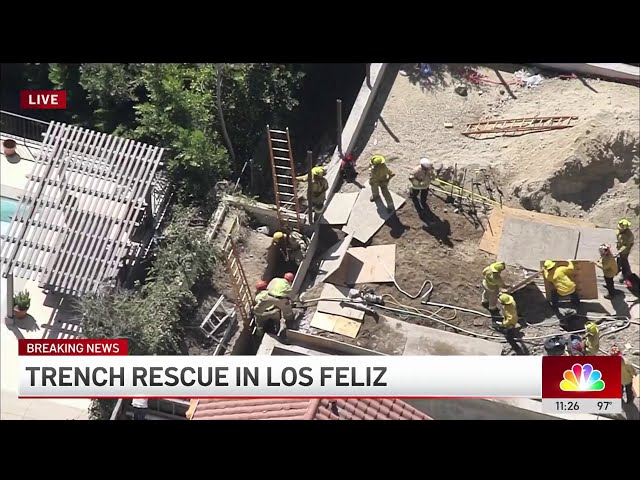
<point>393,277</point>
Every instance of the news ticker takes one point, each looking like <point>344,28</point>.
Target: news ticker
<point>103,369</point>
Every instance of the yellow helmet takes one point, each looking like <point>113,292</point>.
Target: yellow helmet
<point>506,299</point>
<point>624,223</point>
<point>318,171</point>
<point>497,267</point>
<point>591,328</point>
<point>278,236</point>
<point>549,264</point>
<point>376,160</point>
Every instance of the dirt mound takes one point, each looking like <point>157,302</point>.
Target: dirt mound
<point>597,174</point>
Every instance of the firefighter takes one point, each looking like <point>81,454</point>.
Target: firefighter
<point>278,295</point>
<point>609,267</point>
<point>421,179</point>
<point>319,187</point>
<point>509,313</point>
<point>379,181</point>
<point>624,242</point>
<point>561,283</point>
<point>293,246</point>
<point>628,372</point>
<point>265,312</point>
<point>492,283</point>
<point>591,339</point>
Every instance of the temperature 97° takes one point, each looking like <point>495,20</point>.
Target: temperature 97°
<point>603,406</point>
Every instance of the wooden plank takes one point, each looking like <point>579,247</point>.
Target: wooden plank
<point>366,265</point>
<point>334,307</point>
<point>339,209</point>
<point>490,241</point>
<point>336,324</point>
<point>525,243</point>
<point>584,276</point>
<point>371,215</point>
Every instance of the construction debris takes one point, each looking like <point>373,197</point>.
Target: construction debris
<point>519,125</point>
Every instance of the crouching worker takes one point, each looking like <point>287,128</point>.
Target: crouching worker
<point>278,294</point>
<point>293,246</point>
<point>509,313</point>
<point>628,372</point>
<point>265,312</point>
<point>561,282</point>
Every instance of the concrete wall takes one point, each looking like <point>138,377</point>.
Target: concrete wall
<point>350,133</point>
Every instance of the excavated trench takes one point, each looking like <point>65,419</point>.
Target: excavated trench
<point>597,166</point>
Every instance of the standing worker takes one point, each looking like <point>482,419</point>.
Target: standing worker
<point>591,339</point>
<point>293,246</point>
<point>348,168</point>
<point>561,283</point>
<point>609,267</point>
<point>492,283</point>
<point>624,242</point>
<point>509,312</point>
<point>421,179</point>
<point>628,372</point>
<point>279,291</point>
<point>264,310</point>
<point>319,187</point>
<point>379,181</point>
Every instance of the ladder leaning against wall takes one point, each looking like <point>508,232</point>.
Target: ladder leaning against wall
<point>284,186</point>
<point>241,288</point>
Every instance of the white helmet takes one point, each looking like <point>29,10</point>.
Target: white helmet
<point>425,163</point>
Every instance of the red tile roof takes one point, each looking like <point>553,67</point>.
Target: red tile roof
<point>305,409</point>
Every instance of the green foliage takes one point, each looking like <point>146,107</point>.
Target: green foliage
<point>101,409</point>
<point>149,317</point>
<point>22,300</point>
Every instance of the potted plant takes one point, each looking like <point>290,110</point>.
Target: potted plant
<point>9,147</point>
<point>21,303</point>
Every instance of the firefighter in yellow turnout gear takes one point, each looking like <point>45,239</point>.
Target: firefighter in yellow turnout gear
<point>492,283</point>
<point>591,339</point>
<point>561,283</point>
<point>319,187</point>
<point>627,374</point>
<point>624,242</point>
<point>609,267</point>
<point>379,181</point>
<point>509,312</point>
<point>264,310</point>
<point>293,245</point>
<point>421,179</point>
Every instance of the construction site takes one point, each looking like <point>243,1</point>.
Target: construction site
<point>531,164</point>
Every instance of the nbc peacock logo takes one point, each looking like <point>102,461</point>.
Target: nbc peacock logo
<point>582,378</point>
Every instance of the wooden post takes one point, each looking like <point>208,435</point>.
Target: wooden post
<point>310,181</point>
<point>339,117</point>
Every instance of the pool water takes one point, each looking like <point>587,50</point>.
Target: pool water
<point>8,209</point>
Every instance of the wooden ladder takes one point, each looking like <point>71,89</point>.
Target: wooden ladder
<point>283,170</point>
<point>241,289</point>
<point>517,125</point>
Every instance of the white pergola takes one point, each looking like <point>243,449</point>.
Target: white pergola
<point>82,203</point>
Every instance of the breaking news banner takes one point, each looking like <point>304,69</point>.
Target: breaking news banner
<point>582,384</point>
<point>103,369</point>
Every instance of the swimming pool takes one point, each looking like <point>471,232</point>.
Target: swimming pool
<point>8,209</point>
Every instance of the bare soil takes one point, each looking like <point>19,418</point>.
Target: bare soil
<point>587,171</point>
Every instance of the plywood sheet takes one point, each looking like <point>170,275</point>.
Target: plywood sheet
<point>590,241</point>
<point>490,241</point>
<point>336,324</point>
<point>366,265</point>
<point>334,307</point>
<point>525,243</point>
<point>369,216</point>
<point>585,277</point>
<point>332,259</point>
<point>339,209</point>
